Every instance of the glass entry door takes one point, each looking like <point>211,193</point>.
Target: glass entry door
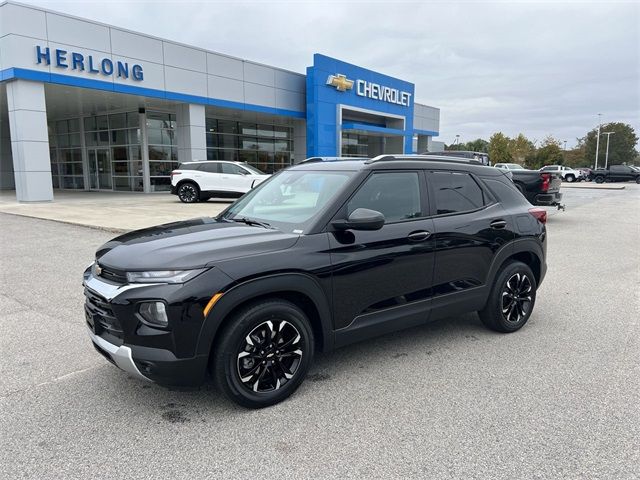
<point>100,169</point>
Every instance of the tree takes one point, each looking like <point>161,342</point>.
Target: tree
<point>499,148</point>
<point>622,144</point>
<point>477,145</point>
<point>520,148</point>
<point>549,153</point>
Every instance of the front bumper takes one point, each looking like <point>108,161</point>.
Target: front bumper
<point>120,355</point>
<point>548,199</point>
<point>168,356</point>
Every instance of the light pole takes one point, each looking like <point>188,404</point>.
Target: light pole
<point>606,157</point>
<point>598,141</point>
<point>565,145</point>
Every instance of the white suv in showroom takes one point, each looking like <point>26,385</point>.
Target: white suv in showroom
<point>196,181</point>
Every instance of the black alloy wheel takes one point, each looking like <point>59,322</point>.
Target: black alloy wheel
<point>263,353</point>
<point>270,356</point>
<point>516,297</point>
<point>599,179</point>
<point>511,300</point>
<point>188,192</point>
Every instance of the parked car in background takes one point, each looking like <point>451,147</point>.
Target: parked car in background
<point>566,173</point>
<point>616,173</point>
<point>540,188</point>
<point>509,166</point>
<point>586,173</point>
<point>198,181</point>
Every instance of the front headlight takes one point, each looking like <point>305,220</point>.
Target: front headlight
<point>163,276</point>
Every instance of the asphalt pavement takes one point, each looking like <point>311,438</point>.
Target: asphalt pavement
<point>558,399</point>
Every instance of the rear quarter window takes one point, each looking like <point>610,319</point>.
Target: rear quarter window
<point>506,193</point>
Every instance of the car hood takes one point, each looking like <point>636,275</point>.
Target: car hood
<point>190,244</point>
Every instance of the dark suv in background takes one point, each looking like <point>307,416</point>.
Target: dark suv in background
<point>323,254</point>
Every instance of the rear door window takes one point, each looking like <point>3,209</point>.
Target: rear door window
<point>232,169</point>
<point>456,192</point>
<point>213,167</point>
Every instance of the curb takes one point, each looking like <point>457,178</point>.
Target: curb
<point>66,222</point>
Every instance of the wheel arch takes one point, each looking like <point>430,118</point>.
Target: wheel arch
<point>297,288</point>
<point>527,251</point>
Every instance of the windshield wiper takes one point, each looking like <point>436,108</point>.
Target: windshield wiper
<point>249,221</point>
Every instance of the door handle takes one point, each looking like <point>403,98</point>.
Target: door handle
<point>498,224</point>
<point>420,236</point>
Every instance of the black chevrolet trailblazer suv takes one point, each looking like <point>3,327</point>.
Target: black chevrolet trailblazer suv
<point>323,254</point>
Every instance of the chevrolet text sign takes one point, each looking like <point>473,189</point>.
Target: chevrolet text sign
<point>380,92</point>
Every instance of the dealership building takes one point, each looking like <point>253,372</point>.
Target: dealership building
<point>89,106</point>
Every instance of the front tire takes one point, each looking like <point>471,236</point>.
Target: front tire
<point>263,354</point>
<point>188,192</point>
<point>511,300</point>
<point>570,178</point>
<point>599,179</point>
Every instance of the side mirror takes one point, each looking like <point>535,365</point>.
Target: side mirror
<point>361,219</point>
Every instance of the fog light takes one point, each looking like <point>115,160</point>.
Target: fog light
<point>154,313</point>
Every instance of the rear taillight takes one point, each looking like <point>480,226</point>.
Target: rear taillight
<point>175,173</point>
<point>546,180</point>
<point>540,214</point>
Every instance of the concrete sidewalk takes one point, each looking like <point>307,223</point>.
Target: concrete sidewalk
<point>594,185</point>
<point>117,212</point>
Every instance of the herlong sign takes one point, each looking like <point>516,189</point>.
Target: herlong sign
<point>76,61</point>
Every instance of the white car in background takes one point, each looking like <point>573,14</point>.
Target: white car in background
<point>509,166</point>
<point>568,174</point>
<point>196,181</point>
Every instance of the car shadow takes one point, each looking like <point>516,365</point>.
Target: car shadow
<point>182,405</point>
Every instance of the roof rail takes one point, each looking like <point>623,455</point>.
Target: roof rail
<point>423,158</point>
<point>331,159</point>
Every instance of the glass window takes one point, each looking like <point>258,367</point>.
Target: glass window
<point>265,131</point>
<point>74,125</point>
<point>507,194</point>
<point>394,194</point>
<point>212,140</point>
<point>62,126</point>
<point>121,169</point>
<point>133,119</point>
<point>160,184</point>
<point>281,132</point>
<point>213,167</point>
<point>232,169</point>
<point>118,120</point>
<point>456,192</point>
<point>119,137</point>
<point>211,125</point>
<point>227,141</point>
<point>227,126</point>
<point>161,168</point>
<point>291,200</point>
<point>248,128</point>
<point>119,153</point>
<point>90,124</point>
<point>102,122</point>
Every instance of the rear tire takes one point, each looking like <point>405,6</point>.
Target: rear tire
<point>637,179</point>
<point>570,178</point>
<point>188,192</point>
<point>263,354</point>
<point>511,300</point>
<point>599,179</point>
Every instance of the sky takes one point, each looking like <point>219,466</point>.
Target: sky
<point>540,68</point>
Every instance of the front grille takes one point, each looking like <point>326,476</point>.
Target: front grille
<point>100,316</point>
<point>112,275</point>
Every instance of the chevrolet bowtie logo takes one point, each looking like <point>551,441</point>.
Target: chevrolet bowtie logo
<point>341,82</point>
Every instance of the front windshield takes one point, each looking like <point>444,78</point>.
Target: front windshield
<point>289,200</point>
